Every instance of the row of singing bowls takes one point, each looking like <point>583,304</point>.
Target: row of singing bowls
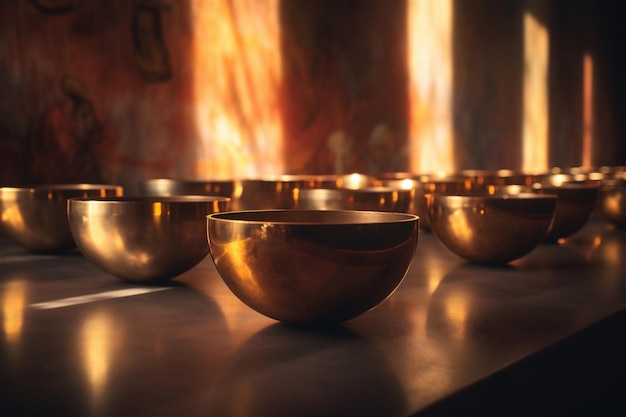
<point>576,198</point>
<point>268,192</point>
<point>143,239</point>
<point>368,199</point>
<point>312,266</point>
<point>491,229</point>
<point>35,216</point>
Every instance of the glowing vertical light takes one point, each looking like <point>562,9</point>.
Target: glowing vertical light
<point>587,110</point>
<point>430,92</point>
<point>237,75</point>
<point>535,117</point>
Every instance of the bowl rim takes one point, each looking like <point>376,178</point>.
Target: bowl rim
<point>377,217</point>
<point>496,196</point>
<point>176,199</point>
<point>60,187</point>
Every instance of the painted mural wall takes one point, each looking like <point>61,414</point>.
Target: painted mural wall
<point>119,91</point>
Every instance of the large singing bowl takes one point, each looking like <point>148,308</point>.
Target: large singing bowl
<point>35,216</point>
<point>312,266</point>
<point>143,239</point>
<point>490,229</point>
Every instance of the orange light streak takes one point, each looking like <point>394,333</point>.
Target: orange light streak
<point>587,110</point>
<point>535,116</point>
<point>430,92</point>
<point>237,75</point>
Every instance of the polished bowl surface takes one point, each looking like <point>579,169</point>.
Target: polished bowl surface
<point>312,266</point>
<point>576,200</point>
<point>369,199</point>
<point>163,187</point>
<point>143,239</point>
<point>490,229</point>
<point>612,201</point>
<point>35,216</point>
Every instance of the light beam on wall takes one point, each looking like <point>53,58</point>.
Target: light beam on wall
<point>535,116</point>
<point>237,75</point>
<point>587,111</point>
<point>430,89</point>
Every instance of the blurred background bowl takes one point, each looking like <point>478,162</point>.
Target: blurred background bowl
<point>372,199</point>
<point>143,239</point>
<point>166,187</point>
<point>612,200</point>
<point>281,191</point>
<point>576,200</point>
<point>35,216</point>
<point>490,229</point>
<point>312,266</point>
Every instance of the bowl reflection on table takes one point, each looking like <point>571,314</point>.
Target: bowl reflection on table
<point>312,266</point>
<point>372,199</point>
<point>490,229</point>
<point>35,216</point>
<point>143,239</point>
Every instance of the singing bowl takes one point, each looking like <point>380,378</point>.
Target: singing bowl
<point>612,201</point>
<point>35,216</point>
<point>143,239</point>
<point>165,187</point>
<point>490,229</point>
<point>312,266</point>
<point>576,200</point>
<point>367,199</point>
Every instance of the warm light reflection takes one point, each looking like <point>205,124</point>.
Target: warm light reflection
<point>587,110</point>
<point>535,117</point>
<point>456,312</point>
<point>430,91</point>
<point>237,75</point>
<point>13,302</point>
<point>96,342</point>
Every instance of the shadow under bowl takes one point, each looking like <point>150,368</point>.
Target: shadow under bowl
<point>312,266</point>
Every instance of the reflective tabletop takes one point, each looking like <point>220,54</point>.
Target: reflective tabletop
<point>541,336</point>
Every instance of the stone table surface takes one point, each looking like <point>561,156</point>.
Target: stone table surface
<point>541,336</point>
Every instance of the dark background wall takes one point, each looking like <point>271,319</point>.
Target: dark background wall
<point>102,90</point>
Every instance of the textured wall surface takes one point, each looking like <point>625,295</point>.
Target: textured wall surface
<point>120,91</point>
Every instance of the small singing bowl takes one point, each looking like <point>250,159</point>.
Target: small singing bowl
<point>367,199</point>
<point>164,187</point>
<point>143,239</point>
<point>35,216</point>
<point>576,200</point>
<point>272,192</point>
<point>490,229</point>
<point>612,200</point>
<point>312,266</point>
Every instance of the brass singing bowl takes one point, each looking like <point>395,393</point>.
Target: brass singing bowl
<point>368,199</point>
<point>278,191</point>
<point>35,216</point>
<point>576,200</point>
<point>612,200</point>
<point>490,229</point>
<point>164,187</point>
<point>312,266</point>
<point>143,239</point>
